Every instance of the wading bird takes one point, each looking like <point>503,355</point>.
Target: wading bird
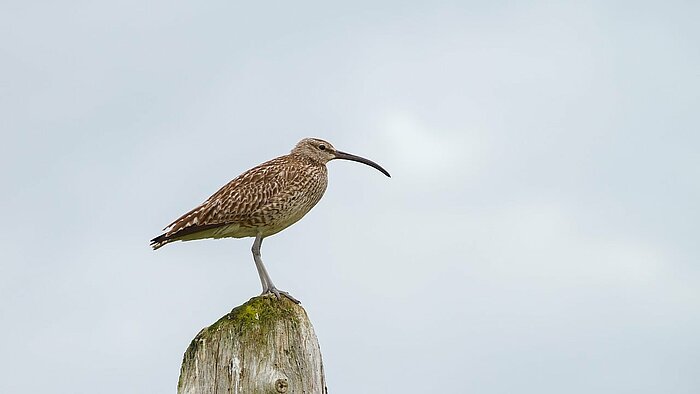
<point>263,201</point>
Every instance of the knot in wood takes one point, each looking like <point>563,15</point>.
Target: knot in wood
<point>281,385</point>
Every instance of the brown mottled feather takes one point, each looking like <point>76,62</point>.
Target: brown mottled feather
<point>267,199</point>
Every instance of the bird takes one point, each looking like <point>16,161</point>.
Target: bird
<point>263,201</point>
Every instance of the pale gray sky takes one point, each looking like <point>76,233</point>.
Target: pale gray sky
<point>539,233</point>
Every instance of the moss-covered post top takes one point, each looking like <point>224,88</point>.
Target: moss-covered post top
<point>259,312</point>
<point>266,345</point>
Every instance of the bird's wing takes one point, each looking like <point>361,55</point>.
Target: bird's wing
<point>238,202</point>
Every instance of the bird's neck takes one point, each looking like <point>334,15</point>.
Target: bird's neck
<point>306,158</point>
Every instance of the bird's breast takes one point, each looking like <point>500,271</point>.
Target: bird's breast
<point>301,191</point>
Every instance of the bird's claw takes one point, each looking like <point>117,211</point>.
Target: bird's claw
<point>280,293</point>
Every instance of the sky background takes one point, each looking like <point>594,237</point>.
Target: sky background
<point>539,233</point>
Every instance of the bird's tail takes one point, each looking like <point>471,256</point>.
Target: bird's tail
<point>160,240</point>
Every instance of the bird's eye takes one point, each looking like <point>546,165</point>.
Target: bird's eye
<point>322,147</point>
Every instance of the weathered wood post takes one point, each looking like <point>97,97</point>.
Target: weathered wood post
<point>263,346</point>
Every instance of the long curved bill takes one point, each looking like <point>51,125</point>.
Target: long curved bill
<point>348,156</point>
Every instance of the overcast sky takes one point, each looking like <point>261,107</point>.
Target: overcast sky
<point>539,233</point>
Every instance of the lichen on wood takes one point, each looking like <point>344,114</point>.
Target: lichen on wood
<point>263,346</point>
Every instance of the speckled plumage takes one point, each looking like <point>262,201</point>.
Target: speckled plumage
<point>263,201</point>
<point>267,198</point>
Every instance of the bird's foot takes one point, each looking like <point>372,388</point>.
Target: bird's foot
<point>279,293</point>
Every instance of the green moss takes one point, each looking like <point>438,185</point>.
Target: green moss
<point>259,315</point>
<point>261,311</point>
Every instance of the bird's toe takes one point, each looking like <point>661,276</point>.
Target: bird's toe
<point>279,294</point>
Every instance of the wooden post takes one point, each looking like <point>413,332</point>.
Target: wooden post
<point>263,346</point>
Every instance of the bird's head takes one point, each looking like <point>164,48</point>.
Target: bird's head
<point>323,152</point>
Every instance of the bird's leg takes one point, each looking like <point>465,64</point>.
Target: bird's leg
<point>267,285</point>
<point>259,264</point>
